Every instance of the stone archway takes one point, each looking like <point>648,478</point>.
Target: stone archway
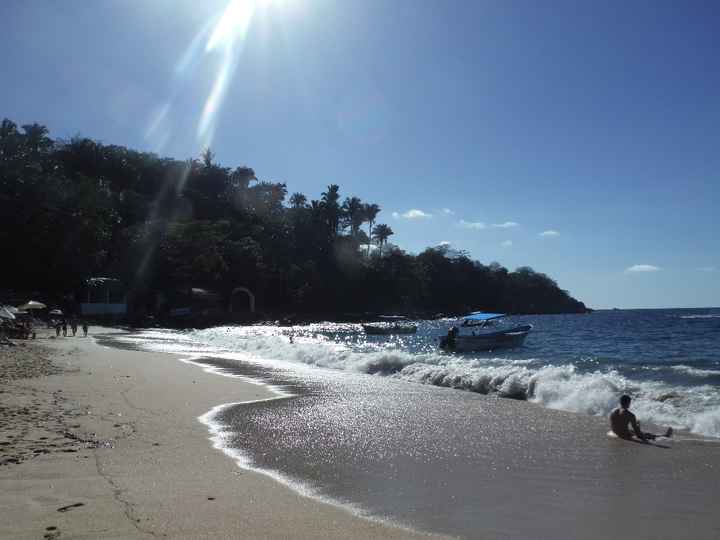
<point>250,296</point>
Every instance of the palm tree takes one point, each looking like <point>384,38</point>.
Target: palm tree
<point>36,137</point>
<point>329,200</point>
<point>371,211</point>
<point>353,209</point>
<point>298,200</point>
<point>207,157</point>
<point>381,233</point>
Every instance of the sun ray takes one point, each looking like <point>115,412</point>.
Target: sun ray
<point>220,42</point>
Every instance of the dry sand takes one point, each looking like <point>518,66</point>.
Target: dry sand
<point>104,443</point>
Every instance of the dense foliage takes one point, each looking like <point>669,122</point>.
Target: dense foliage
<point>75,209</point>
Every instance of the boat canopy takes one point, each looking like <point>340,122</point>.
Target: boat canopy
<point>480,316</point>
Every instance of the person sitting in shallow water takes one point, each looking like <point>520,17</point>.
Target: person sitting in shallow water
<point>621,417</point>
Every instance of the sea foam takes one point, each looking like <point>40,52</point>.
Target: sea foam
<point>565,387</point>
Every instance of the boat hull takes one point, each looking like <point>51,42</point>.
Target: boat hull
<point>507,339</point>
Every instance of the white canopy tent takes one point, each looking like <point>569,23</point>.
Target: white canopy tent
<point>32,304</point>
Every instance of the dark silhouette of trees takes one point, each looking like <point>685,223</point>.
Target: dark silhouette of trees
<point>381,233</point>
<point>78,208</point>
<point>298,200</point>
<point>329,203</point>
<point>353,211</point>
<point>371,212</point>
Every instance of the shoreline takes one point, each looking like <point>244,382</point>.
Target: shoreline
<point>667,393</point>
<point>211,420</point>
<point>156,471</point>
<point>151,460</point>
<point>536,465</point>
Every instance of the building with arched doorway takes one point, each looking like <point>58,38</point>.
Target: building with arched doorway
<point>242,300</point>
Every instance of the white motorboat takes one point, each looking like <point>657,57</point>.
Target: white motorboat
<point>483,332</point>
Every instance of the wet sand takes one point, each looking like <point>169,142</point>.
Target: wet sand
<point>123,455</point>
<point>105,443</point>
<point>471,465</point>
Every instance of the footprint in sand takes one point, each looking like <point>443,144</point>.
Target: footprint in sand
<point>70,507</point>
<point>52,534</point>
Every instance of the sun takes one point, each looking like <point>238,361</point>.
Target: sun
<point>235,20</point>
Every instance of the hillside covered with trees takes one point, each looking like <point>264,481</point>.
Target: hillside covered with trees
<point>75,209</point>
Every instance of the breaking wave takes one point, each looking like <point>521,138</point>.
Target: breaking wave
<point>565,387</point>
<point>696,372</point>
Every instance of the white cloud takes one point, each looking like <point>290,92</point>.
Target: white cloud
<point>447,212</point>
<point>506,243</point>
<point>413,213</point>
<point>550,232</point>
<point>642,268</point>
<point>471,224</point>
<point>443,243</point>
<point>707,268</point>
<point>506,225</point>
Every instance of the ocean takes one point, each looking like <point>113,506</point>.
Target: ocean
<point>396,430</point>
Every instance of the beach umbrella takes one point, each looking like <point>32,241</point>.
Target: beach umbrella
<point>5,314</point>
<point>55,312</point>
<point>32,304</point>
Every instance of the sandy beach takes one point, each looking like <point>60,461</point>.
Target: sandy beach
<point>105,443</point>
<point>100,442</point>
<point>359,270</point>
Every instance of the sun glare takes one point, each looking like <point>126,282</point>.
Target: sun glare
<point>235,20</point>
<point>233,23</point>
<point>220,41</point>
<point>227,38</point>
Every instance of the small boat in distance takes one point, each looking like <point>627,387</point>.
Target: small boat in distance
<point>482,332</point>
<point>389,325</point>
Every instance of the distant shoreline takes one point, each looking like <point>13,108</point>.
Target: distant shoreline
<point>652,308</point>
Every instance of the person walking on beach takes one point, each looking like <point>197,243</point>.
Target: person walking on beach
<point>64,327</point>
<point>85,328</point>
<point>621,418</point>
<point>58,326</point>
<point>73,327</point>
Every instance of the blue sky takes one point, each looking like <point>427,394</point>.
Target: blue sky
<point>482,124</point>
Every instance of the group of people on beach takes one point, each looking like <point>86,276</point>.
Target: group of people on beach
<point>62,326</point>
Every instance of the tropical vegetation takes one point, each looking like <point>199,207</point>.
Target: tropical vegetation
<point>77,208</point>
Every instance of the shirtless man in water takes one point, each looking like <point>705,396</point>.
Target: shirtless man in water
<point>621,417</point>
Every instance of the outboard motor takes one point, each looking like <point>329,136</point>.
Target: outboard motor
<point>448,342</point>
